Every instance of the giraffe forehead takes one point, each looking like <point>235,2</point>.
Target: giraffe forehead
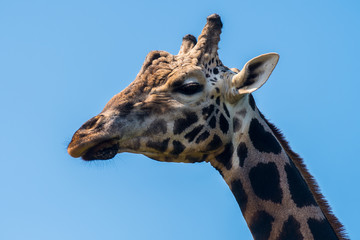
<point>162,71</point>
<point>178,66</point>
<point>161,68</point>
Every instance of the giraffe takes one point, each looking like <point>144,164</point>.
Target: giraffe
<point>191,108</point>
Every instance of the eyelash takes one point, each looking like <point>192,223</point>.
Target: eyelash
<point>189,89</point>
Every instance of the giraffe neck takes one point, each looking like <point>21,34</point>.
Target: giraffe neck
<point>274,197</point>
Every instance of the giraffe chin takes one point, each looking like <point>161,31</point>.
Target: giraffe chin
<point>102,151</point>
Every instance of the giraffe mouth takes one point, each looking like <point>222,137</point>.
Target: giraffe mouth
<point>102,151</point>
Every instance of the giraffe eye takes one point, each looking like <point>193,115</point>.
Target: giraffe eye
<point>189,88</point>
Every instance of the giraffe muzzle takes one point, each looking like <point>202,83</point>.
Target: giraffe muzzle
<point>100,148</point>
<point>103,151</point>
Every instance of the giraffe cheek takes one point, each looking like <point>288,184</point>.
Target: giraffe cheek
<point>158,126</point>
<point>178,147</point>
<point>182,124</point>
<point>158,146</point>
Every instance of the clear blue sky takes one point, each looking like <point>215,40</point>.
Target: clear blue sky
<point>61,61</point>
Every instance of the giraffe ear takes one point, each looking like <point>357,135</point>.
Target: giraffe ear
<point>255,73</point>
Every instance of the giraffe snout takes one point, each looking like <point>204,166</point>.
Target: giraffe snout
<point>87,136</point>
<point>92,123</point>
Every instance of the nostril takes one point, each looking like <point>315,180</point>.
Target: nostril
<point>91,123</point>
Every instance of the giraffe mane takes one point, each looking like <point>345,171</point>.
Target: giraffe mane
<point>309,179</point>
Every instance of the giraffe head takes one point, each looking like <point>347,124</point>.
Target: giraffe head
<point>179,108</point>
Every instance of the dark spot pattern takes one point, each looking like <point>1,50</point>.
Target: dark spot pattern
<point>204,157</point>
<point>236,124</point>
<point>183,123</point>
<point>321,229</point>
<point>299,191</point>
<point>224,124</point>
<point>191,135</point>
<point>265,181</point>
<point>252,102</point>
<point>125,108</point>
<point>203,137</point>
<point>226,110</point>
<point>242,153</point>
<point>208,111</point>
<point>145,112</point>
<point>216,71</point>
<point>225,156</point>
<point>240,195</point>
<point>242,112</point>
<point>261,225</point>
<point>262,140</point>
<point>217,101</point>
<point>212,122</point>
<point>291,230</point>
<point>159,146</point>
<point>156,127</point>
<point>214,144</point>
<point>178,148</point>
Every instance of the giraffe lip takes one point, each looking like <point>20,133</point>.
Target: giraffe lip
<point>102,151</point>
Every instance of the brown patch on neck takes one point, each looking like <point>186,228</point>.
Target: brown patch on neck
<point>310,181</point>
